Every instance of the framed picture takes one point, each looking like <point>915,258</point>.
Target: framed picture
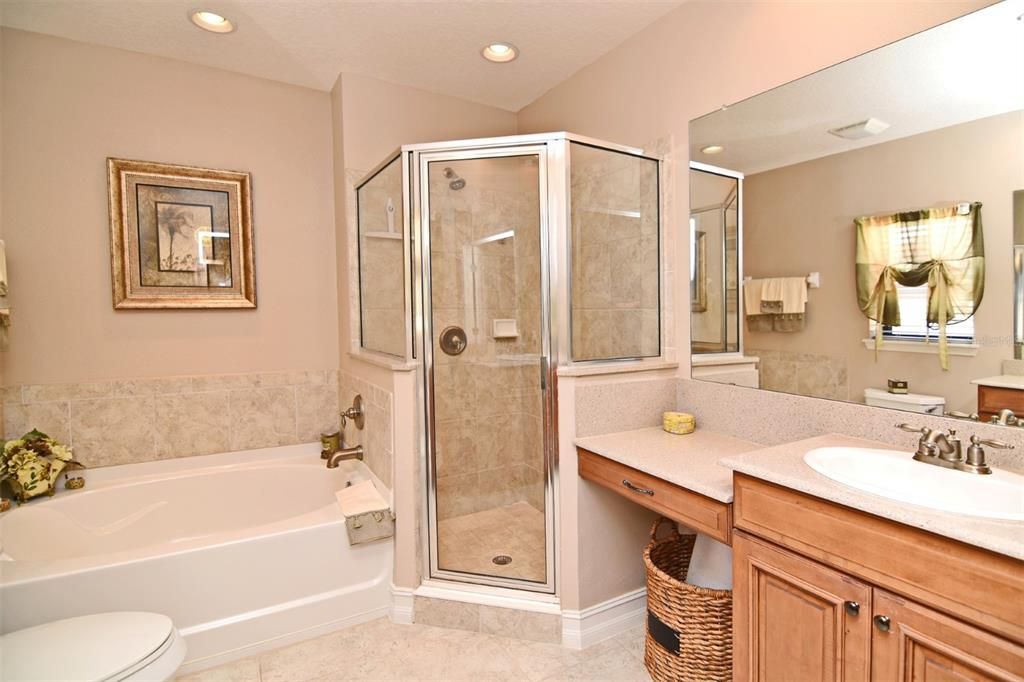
<point>180,237</point>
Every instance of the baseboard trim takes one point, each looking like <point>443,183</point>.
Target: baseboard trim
<point>582,629</point>
<point>402,604</point>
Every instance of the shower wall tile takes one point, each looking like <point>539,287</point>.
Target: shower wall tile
<point>136,420</point>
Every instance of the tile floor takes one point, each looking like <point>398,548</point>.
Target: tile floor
<point>470,542</point>
<point>381,650</point>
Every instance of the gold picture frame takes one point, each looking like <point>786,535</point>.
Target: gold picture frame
<point>180,236</point>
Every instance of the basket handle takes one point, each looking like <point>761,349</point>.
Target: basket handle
<point>674,534</point>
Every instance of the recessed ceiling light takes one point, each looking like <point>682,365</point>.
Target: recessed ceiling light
<point>500,52</point>
<point>712,149</point>
<point>211,21</point>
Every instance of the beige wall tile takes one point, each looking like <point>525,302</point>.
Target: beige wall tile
<point>50,418</point>
<point>192,424</point>
<point>536,627</point>
<point>110,431</point>
<point>262,418</point>
<point>317,410</point>
<point>447,614</point>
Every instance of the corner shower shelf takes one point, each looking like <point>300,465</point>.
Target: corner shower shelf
<point>382,235</point>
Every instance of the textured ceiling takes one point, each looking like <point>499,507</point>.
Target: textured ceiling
<point>429,45</point>
<point>964,70</point>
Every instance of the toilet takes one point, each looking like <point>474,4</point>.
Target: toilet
<point>910,402</point>
<point>125,645</point>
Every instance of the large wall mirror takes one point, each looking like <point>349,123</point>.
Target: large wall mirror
<point>853,232</point>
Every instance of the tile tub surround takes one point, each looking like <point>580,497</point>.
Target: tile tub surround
<point>776,418</point>
<point>785,466</point>
<point>491,620</point>
<point>377,436</point>
<point>381,650</point>
<point>690,461</point>
<point>138,420</point>
<point>809,374</point>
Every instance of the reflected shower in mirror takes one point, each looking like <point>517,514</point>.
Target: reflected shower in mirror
<point>876,227</point>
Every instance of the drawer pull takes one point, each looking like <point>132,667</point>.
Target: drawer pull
<point>883,623</point>
<point>852,608</point>
<point>637,489</point>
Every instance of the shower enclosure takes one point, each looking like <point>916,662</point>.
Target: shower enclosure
<point>715,195</point>
<point>491,263</point>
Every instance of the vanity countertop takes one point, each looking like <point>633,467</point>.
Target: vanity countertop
<point>784,465</point>
<point>1002,381</point>
<point>690,461</point>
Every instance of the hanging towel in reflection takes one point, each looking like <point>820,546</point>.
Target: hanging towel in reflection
<point>775,304</point>
<point>367,514</point>
<point>5,309</point>
<point>757,319</point>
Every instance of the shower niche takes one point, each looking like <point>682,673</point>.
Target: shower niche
<point>491,264</point>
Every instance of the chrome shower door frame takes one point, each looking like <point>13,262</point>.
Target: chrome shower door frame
<point>547,149</point>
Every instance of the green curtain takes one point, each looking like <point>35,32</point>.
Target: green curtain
<point>941,248</point>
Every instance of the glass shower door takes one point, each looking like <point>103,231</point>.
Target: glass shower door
<point>486,338</point>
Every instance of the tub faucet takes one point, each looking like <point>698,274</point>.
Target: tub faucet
<point>355,452</point>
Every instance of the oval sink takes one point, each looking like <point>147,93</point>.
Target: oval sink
<point>896,475</point>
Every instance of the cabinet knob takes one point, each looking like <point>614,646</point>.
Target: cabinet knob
<point>883,623</point>
<point>852,608</point>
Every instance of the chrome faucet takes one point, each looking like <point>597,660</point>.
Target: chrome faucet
<point>355,452</point>
<point>944,450</point>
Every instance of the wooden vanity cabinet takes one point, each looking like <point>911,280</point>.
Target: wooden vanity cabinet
<point>824,592</point>
<point>795,619</point>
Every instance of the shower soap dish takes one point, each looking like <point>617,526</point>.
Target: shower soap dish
<point>679,423</point>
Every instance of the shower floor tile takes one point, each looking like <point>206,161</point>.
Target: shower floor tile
<point>469,543</point>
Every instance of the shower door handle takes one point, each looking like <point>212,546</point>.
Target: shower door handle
<point>543,373</point>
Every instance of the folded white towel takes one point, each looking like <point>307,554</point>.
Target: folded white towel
<point>360,499</point>
<point>753,291</point>
<point>794,295</point>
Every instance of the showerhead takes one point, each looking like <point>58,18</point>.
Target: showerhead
<point>457,182</point>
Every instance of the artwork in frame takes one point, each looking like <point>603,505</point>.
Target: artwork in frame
<point>180,237</point>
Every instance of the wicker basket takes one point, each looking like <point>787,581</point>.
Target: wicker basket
<point>689,628</point>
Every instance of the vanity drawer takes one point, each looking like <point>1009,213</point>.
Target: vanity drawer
<point>981,587</point>
<point>697,512</point>
<point>991,399</point>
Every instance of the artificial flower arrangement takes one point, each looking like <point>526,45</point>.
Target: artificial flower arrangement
<point>31,464</point>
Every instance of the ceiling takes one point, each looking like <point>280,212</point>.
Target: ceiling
<point>433,46</point>
<point>964,70</point>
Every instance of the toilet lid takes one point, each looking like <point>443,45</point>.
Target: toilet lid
<point>95,647</point>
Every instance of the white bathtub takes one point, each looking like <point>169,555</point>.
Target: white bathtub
<point>244,551</point>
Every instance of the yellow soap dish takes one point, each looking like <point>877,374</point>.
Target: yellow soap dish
<point>679,423</point>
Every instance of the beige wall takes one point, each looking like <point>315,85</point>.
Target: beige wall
<point>690,62</point>
<point>799,219</point>
<point>68,106</point>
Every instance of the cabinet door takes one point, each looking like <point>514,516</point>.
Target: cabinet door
<point>912,643</point>
<point>794,619</point>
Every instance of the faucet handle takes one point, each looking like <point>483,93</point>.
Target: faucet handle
<point>992,443</point>
<point>923,430</point>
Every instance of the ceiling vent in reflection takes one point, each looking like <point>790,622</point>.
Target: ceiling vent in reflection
<point>860,130</point>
